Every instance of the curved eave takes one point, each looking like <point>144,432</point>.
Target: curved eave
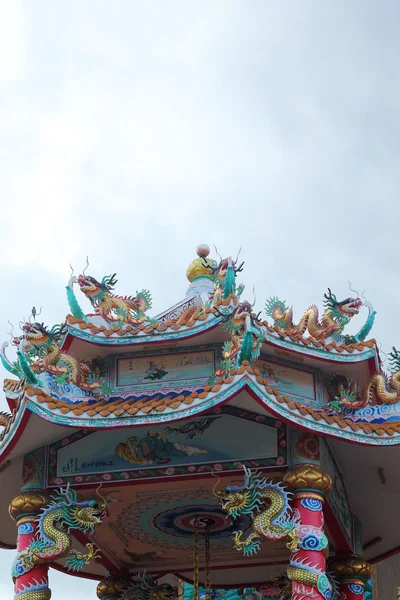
<point>370,426</point>
<point>320,349</point>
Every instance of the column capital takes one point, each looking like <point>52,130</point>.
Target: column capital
<point>112,587</point>
<point>351,569</point>
<point>27,504</point>
<point>307,479</point>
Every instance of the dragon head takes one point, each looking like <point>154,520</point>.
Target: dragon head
<point>240,500</point>
<point>39,337</point>
<point>235,501</point>
<point>164,591</point>
<point>79,514</point>
<point>343,310</point>
<point>95,290</point>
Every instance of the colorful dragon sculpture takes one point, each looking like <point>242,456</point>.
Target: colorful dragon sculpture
<point>224,274</point>
<point>53,539</point>
<point>146,588</point>
<point>114,309</point>
<point>39,351</point>
<point>344,392</point>
<point>334,319</point>
<point>246,337</point>
<point>275,521</point>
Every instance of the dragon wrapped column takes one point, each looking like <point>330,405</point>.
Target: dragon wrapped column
<point>352,574</point>
<point>24,509</point>
<point>307,570</point>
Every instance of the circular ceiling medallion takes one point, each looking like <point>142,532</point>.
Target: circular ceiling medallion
<point>181,521</point>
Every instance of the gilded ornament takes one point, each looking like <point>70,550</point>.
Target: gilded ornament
<point>308,477</point>
<point>350,568</point>
<point>30,502</point>
<point>112,587</point>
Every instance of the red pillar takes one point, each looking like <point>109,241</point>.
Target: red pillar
<point>352,574</point>
<point>24,509</point>
<point>310,485</point>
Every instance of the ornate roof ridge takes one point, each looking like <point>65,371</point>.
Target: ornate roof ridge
<point>188,319</point>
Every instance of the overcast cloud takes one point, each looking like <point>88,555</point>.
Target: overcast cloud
<point>132,131</point>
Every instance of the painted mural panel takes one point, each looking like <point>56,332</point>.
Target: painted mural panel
<point>165,369</point>
<point>214,442</point>
<point>288,380</point>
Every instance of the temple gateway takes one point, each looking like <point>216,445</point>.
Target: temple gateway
<point>212,451</point>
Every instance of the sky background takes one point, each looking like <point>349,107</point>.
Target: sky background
<point>133,131</point>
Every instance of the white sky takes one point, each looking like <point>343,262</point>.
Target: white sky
<point>132,131</point>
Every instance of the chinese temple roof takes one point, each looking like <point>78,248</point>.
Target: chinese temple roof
<point>70,374</point>
<point>112,368</point>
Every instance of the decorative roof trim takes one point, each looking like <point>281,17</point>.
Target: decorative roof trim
<point>123,413</point>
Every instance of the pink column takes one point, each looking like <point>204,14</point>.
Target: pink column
<point>310,485</point>
<point>24,509</point>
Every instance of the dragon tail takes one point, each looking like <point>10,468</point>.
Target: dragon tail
<point>7,364</point>
<point>73,304</point>
<point>366,328</point>
<point>229,283</point>
<point>27,371</point>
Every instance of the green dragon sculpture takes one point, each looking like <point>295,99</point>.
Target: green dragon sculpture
<point>224,275</point>
<point>118,310</point>
<point>146,588</point>
<point>39,351</point>
<point>53,539</point>
<point>344,392</point>
<point>275,521</point>
<point>336,316</point>
<point>246,338</point>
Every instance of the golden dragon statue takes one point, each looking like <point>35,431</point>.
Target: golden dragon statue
<point>336,316</point>
<point>53,538</point>
<point>275,521</point>
<point>118,310</point>
<point>39,351</point>
<point>344,392</point>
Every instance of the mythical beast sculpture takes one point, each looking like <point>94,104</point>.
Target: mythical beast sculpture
<point>275,521</point>
<point>146,588</point>
<point>112,308</point>
<point>42,344</point>
<point>246,337</point>
<point>53,539</point>
<point>344,392</point>
<point>336,316</point>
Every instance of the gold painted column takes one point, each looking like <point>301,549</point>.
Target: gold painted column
<point>352,573</point>
<point>24,509</point>
<point>307,570</point>
<point>112,587</point>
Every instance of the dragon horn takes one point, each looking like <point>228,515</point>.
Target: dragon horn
<point>383,352</point>
<point>254,294</point>
<point>238,254</point>
<point>10,333</point>
<point>87,264</point>
<point>220,257</point>
<point>355,291</point>
<point>72,269</point>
